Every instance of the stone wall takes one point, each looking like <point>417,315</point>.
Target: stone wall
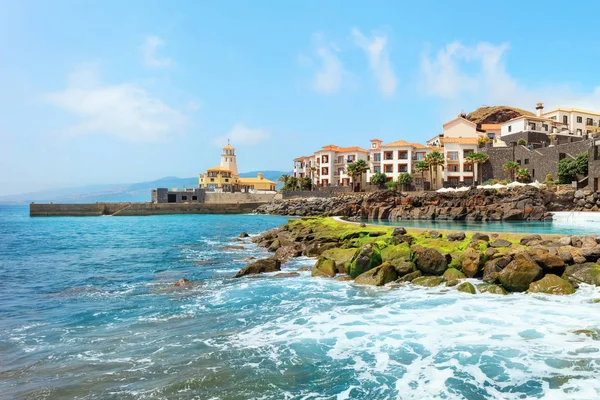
<point>139,209</point>
<point>324,192</point>
<point>228,198</point>
<point>540,161</point>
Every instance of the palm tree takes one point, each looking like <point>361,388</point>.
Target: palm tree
<point>480,159</point>
<point>511,167</point>
<point>470,159</point>
<point>285,179</point>
<point>434,160</point>
<point>523,175</point>
<point>421,167</point>
<point>357,169</point>
<point>405,179</point>
<point>313,171</point>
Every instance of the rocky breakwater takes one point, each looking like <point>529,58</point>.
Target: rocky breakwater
<point>523,203</point>
<point>378,256</point>
<point>586,200</point>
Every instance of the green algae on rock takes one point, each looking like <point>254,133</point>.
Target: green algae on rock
<point>427,281</point>
<point>494,289</point>
<point>378,276</point>
<point>466,287</point>
<point>551,284</point>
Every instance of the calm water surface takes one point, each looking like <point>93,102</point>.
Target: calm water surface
<point>87,311</point>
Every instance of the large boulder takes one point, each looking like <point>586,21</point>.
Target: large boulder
<point>324,267</point>
<point>545,259</point>
<point>364,259</point>
<point>518,275</point>
<point>289,251</point>
<point>583,273</point>
<point>342,257</point>
<point>377,276</point>
<point>429,261</point>
<point>471,262</point>
<point>591,254</point>
<point>259,267</point>
<point>480,236</point>
<point>551,284</point>
<point>493,267</point>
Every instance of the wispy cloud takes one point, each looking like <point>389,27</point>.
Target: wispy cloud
<point>329,74</point>
<point>379,61</point>
<point>150,49</point>
<point>477,75</point>
<point>125,110</point>
<point>240,134</point>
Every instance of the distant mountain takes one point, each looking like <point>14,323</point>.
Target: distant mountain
<point>129,192</point>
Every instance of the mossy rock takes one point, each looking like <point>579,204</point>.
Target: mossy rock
<point>410,277</point>
<point>583,273</point>
<point>429,261</point>
<point>342,257</point>
<point>472,262</point>
<point>427,281</point>
<point>324,267</point>
<point>456,260</point>
<point>519,274</point>
<point>551,284</point>
<point>364,259</point>
<point>594,334</point>
<point>494,289</point>
<point>377,276</point>
<point>275,245</point>
<point>452,274</point>
<point>466,287</point>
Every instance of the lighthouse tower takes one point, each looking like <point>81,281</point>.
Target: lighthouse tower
<point>228,159</point>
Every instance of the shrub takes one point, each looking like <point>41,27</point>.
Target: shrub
<point>522,142</point>
<point>568,169</point>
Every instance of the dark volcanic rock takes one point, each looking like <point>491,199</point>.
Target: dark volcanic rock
<point>429,261</point>
<point>259,267</point>
<point>456,237</point>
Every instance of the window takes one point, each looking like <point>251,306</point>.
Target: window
<point>389,169</point>
<point>533,173</point>
<point>318,160</point>
<point>453,168</point>
<point>553,117</point>
<point>453,181</point>
<point>532,126</point>
<point>377,157</point>
<point>579,131</point>
<point>519,162</point>
<point>183,198</point>
<point>466,152</point>
<point>579,120</point>
<point>388,155</point>
<point>418,181</point>
<point>452,155</point>
<point>226,180</point>
<point>325,171</point>
<point>403,155</point>
<point>212,179</point>
<point>526,161</point>
<point>325,159</point>
<point>510,128</point>
<point>340,159</point>
<point>402,168</point>
<point>491,136</point>
<point>420,156</point>
<point>545,126</point>
<point>468,181</point>
<point>565,119</point>
<point>377,169</point>
<point>194,198</point>
<point>350,159</point>
<point>589,122</point>
<point>339,171</point>
<point>468,167</point>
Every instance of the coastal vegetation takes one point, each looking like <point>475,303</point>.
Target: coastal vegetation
<point>570,168</point>
<point>379,179</point>
<point>377,255</point>
<point>434,160</point>
<point>357,170</point>
<point>511,167</point>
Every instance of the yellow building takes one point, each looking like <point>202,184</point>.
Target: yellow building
<point>225,178</point>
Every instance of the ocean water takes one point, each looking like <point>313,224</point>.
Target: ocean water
<point>88,311</point>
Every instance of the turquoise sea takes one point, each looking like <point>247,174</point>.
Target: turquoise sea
<point>88,311</point>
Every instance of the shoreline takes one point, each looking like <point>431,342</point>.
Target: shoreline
<point>392,255</point>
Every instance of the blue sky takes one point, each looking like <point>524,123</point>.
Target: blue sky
<point>126,91</point>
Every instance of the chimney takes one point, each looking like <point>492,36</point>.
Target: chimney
<point>260,176</point>
<point>540,108</point>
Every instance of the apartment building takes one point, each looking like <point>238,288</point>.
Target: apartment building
<point>457,171</point>
<point>395,158</point>
<point>327,166</point>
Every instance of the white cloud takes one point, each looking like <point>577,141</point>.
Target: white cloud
<point>150,49</point>
<point>240,134</point>
<point>125,111</point>
<point>476,75</point>
<point>329,77</point>
<point>379,61</point>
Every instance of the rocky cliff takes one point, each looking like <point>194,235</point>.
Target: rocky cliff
<point>525,203</point>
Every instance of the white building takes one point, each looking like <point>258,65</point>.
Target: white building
<point>327,167</point>
<point>456,171</point>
